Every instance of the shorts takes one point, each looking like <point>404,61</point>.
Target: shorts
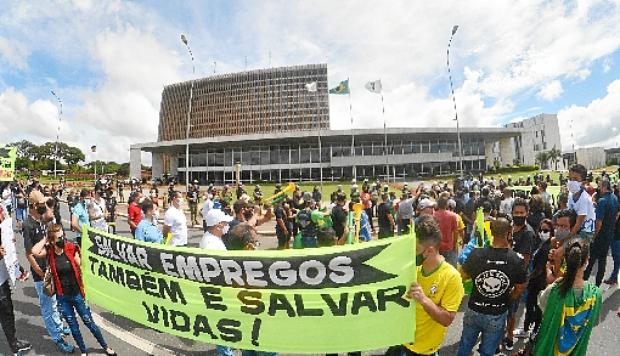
<point>513,307</point>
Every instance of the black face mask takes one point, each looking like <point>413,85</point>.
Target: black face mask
<point>60,243</point>
<point>518,220</point>
<point>247,214</point>
<point>41,210</point>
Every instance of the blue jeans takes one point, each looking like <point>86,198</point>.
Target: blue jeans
<point>69,305</point>
<point>20,214</point>
<point>257,353</point>
<point>49,312</point>
<point>615,254</point>
<point>308,242</point>
<point>224,350</point>
<point>492,328</point>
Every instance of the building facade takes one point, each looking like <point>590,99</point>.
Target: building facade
<point>258,101</point>
<point>539,133</point>
<point>269,124</point>
<point>411,153</point>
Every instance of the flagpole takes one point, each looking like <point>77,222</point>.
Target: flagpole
<point>385,147</point>
<point>352,133</point>
<point>316,96</point>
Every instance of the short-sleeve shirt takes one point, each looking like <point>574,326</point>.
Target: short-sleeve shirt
<point>405,209</point>
<point>339,219</point>
<point>383,213</point>
<point>208,205</point>
<point>212,242</point>
<point>148,232</point>
<point>494,272</point>
<point>523,241</point>
<point>448,225</point>
<point>366,200</point>
<point>81,212</point>
<point>135,213</point>
<point>607,213</point>
<point>583,206</point>
<point>176,220</point>
<point>280,215</point>
<point>445,288</point>
<point>33,232</point>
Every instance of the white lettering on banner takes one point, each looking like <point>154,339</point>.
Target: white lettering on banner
<point>253,273</point>
<point>286,277</point>
<point>304,275</point>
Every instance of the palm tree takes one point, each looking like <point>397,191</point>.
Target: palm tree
<point>542,158</point>
<point>555,155</point>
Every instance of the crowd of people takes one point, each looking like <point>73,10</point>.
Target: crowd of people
<point>536,252</point>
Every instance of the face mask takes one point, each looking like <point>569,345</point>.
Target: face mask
<point>86,201</point>
<point>573,186</point>
<point>60,243</point>
<point>181,201</point>
<point>419,259</point>
<point>544,236</point>
<point>225,229</point>
<point>519,220</point>
<point>561,235</point>
<point>41,210</point>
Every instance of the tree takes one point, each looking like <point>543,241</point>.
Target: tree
<point>542,159</point>
<point>555,155</point>
<point>72,155</point>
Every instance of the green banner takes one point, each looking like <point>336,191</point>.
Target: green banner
<point>8,155</point>
<point>322,300</point>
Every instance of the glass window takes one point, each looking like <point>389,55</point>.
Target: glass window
<point>425,147</point>
<point>264,156</point>
<point>306,153</point>
<point>255,156</point>
<point>407,148</point>
<point>228,157</point>
<point>295,154</point>
<point>336,151</point>
<point>434,147</point>
<point>198,159</point>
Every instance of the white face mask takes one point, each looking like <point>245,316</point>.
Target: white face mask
<point>573,186</point>
<point>181,202</point>
<point>225,229</point>
<point>544,236</point>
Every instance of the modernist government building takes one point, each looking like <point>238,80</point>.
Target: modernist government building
<point>269,124</point>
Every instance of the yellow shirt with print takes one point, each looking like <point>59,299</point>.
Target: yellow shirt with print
<point>445,288</point>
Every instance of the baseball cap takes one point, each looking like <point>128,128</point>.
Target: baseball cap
<point>426,203</point>
<point>215,216</point>
<point>36,197</point>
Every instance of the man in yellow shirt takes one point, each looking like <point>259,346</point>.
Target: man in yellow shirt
<point>438,291</point>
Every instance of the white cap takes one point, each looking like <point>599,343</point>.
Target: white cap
<point>426,203</point>
<point>215,216</point>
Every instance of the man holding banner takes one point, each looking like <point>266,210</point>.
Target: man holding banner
<point>438,291</point>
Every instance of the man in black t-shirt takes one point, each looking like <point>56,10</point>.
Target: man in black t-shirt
<point>499,277</point>
<point>339,218</point>
<point>522,243</point>
<point>307,227</point>
<point>282,231</point>
<point>385,218</point>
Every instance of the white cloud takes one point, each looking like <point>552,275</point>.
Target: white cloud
<point>22,119</point>
<point>593,125</point>
<point>498,60</point>
<point>14,53</point>
<point>551,91</point>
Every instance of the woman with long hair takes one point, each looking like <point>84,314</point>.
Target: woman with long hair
<point>571,307</point>
<point>64,260</point>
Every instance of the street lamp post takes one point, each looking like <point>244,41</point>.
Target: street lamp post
<point>57,130</point>
<point>189,111</point>
<point>456,114</point>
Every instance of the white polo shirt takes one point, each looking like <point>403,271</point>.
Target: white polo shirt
<point>212,242</point>
<point>177,222</point>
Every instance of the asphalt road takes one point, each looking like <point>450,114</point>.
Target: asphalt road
<point>130,336</point>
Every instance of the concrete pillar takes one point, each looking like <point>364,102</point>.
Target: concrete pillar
<point>135,162</point>
<point>489,154</point>
<point>506,150</point>
<point>158,164</point>
<point>174,164</point>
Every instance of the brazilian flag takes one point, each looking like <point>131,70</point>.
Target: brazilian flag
<point>342,88</point>
<point>568,321</point>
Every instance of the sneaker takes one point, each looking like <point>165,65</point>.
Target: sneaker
<point>66,330</point>
<point>23,346</point>
<point>498,351</point>
<point>521,334</point>
<point>64,346</point>
<point>611,282</point>
<point>508,344</point>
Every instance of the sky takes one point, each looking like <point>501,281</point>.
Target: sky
<point>108,61</point>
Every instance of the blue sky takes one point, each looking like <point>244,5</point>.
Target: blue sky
<point>109,60</point>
